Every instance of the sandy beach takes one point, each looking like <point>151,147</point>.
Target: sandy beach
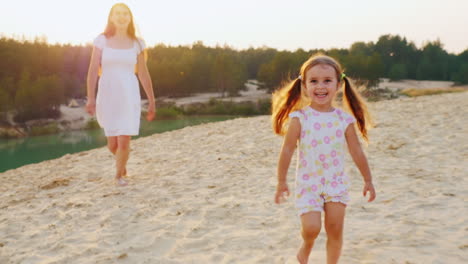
<point>204,194</point>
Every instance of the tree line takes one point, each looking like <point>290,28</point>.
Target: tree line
<point>35,77</point>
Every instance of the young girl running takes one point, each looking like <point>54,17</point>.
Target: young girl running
<point>320,131</point>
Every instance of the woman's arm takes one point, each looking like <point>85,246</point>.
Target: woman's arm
<point>287,151</point>
<point>360,160</point>
<point>147,84</point>
<point>91,80</point>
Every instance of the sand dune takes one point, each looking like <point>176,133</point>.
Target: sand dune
<point>204,194</point>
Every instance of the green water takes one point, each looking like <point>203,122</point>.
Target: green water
<point>15,153</point>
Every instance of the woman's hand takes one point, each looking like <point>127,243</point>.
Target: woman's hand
<point>282,192</point>
<point>151,114</point>
<point>91,107</point>
<point>369,187</point>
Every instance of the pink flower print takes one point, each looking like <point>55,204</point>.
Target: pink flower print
<point>314,188</point>
<point>302,134</point>
<point>305,177</point>
<point>329,124</point>
<point>338,111</point>
<point>317,126</point>
<point>339,133</point>
<point>326,140</point>
<point>333,153</point>
<point>336,162</point>
<point>349,120</point>
<point>303,191</point>
<point>312,202</point>
<point>322,181</point>
<point>301,155</point>
<point>325,166</point>
<point>322,157</point>
<point>341,118</point>
<point>314,143</point>
<point>315,113</point>
<point>304,163</point>
<point>334,184</point>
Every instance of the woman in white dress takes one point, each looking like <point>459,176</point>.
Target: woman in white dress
<point>117,54</point>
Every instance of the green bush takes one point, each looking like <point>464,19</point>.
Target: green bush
<point>170,112</point>
<point>92,124</point>
<point>264,106</point>
<point>218,107</point>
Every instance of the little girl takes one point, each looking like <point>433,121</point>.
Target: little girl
<point>321,131</point>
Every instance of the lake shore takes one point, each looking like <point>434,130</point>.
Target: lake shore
<point>76,118</point>
<point>204,194</point>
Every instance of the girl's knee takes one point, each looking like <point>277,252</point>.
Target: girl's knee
<point>334,230</point>
<point>311,230</point>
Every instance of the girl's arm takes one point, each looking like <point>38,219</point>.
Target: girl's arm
<point>91,80</point>
<point>287,151</point>
<point>360,160</point>
<point>145,80</point>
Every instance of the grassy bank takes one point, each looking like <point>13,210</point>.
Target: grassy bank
<point>214,107</point>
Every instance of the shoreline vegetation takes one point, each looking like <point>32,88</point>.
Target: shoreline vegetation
<point>251,102</point>
<point>36,92</point>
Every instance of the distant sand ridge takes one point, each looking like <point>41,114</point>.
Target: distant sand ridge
<point>204,194</point>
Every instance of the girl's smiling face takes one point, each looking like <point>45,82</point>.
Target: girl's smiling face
<point>120,17</point>
<point>321,85</point>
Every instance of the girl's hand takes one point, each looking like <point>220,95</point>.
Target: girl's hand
<point>282,191</point>
<point>151,113</point>
<point>91,107</point>
<point>369,187</point>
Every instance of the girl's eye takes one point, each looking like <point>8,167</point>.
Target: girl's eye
<point>313,81</point>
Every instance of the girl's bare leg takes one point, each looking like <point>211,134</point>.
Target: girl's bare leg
<point>334,222</point>
<point>311,224</point>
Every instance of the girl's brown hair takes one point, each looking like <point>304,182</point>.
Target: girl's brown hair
<point>290,97</point>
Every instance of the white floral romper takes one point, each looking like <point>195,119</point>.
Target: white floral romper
<point>320,175</point>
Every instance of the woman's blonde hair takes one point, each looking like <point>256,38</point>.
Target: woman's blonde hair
<point>290,96</point>
<point>110,29</point>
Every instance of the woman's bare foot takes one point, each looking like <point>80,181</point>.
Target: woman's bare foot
<point>120,181</point>
<point>303,254</point>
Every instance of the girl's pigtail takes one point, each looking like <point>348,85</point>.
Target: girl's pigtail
<point>356,104</point>
<point>284,100</point>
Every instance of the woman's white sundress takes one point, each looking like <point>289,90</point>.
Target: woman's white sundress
<point>118,102</point>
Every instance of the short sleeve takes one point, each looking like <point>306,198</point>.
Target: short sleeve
<point>141,45</point>
<point>100,41</point>
<point>348,119</point>
<point>295,114</point>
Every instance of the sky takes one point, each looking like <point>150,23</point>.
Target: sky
<point>279,24</point>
